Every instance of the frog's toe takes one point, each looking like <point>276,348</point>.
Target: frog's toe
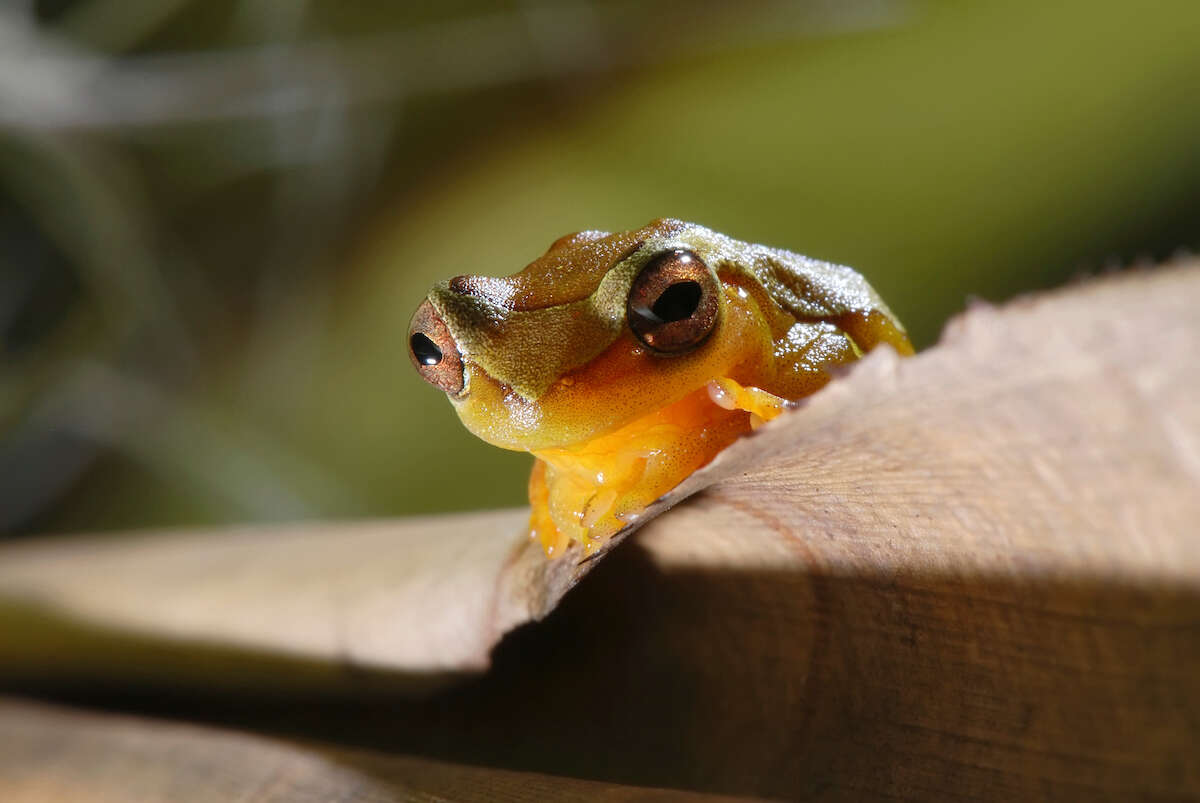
<point>761,405</point>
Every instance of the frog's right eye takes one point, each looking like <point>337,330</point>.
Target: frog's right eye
<point>433,351</point>
<point>673,302</point>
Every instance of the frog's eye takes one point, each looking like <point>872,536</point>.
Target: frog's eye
<point>673,302</point>
<point>433,351</point>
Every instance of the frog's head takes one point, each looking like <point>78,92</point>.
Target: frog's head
<point>601,330</point>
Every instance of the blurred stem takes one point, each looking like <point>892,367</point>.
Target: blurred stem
<point>88,201</point>
<point>116,26</point>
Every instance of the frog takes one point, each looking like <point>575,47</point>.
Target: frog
<point>626,361</point>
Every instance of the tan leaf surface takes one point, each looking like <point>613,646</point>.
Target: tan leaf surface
<point>53,755</point>
<point>974,571</point>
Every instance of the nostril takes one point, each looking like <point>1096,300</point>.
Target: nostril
<point>424,349</point>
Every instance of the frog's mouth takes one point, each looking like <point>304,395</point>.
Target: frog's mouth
<point>582,413</point>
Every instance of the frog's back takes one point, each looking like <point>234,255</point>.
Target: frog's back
<point>812,290</point>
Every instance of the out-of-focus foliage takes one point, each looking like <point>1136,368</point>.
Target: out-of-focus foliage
<point>216,217</point>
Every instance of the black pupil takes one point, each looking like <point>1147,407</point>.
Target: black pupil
<point>678,301</point>
<point>426,350</point>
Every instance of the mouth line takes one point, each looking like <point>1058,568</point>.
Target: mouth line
<point>710,389</point>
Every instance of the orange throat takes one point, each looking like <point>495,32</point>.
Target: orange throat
<point>588,492</point>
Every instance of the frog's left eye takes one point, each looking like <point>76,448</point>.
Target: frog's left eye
<point>673,303</point>
<point>433,351</point>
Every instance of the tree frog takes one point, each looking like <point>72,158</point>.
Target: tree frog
<point>626,361</point>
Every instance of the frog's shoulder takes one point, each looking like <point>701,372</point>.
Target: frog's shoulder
<point>814,290</point>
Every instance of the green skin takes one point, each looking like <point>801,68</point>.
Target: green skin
<point>527,348</point>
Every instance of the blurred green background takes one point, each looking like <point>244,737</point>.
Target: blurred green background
<point>216,216</point>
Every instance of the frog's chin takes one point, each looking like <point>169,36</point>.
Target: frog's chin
<point>530,428</point>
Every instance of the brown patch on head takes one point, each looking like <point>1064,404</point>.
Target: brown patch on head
<point>577,238</point>
<point>571,270</point>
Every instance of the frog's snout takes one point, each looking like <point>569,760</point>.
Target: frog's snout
<point>433,351</point>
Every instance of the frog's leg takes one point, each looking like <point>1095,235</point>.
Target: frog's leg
<point>541,525</point>
<point>761,405</point>
<point>590,491</point>
<point>584,488</point>
<point>803,357</point>
<point>869,329</point>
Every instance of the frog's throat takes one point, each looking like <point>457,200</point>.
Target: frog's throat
<point>590,491</point>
